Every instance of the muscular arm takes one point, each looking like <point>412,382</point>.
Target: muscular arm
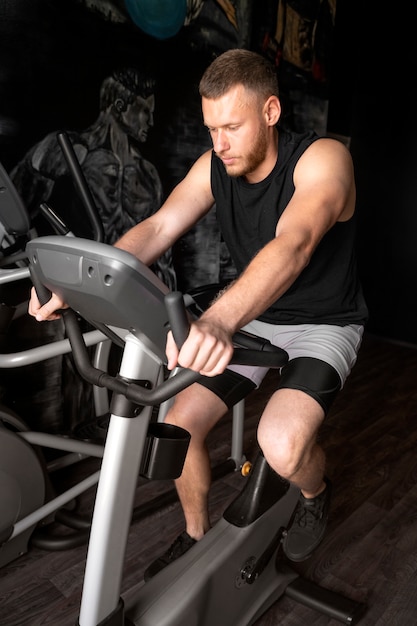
<point>324,194</point>
<point>189,201</point>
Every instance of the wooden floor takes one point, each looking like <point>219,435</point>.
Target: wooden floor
<point>369,552</point>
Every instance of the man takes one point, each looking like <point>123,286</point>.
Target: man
<point>285,204</point>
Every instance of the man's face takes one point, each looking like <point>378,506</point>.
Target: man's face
<point>138,117</point>
<point>238,131</point>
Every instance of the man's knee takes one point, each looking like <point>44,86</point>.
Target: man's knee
<point>281,449</point>
<point>196,409</point>
<point>288,429</point>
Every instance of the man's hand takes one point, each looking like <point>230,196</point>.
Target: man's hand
<point>47,312</point>
<point>207,349</point>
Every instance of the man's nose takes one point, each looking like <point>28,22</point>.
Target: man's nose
<point>221,142</point>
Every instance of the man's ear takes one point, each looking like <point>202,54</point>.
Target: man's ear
<point>272,110</point>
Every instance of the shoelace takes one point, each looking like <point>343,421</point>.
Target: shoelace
<point>308,514</point>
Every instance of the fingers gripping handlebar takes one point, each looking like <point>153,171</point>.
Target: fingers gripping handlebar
<point>266,355</point>
<point>42,292</point>
<point>177,315</point>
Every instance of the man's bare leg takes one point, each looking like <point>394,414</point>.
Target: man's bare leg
<point>197,410</point>
<point>287,435</point>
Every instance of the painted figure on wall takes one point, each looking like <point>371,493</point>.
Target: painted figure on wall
<point>125,186</point>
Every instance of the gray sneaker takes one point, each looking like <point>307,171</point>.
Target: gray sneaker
<point>309,525</point>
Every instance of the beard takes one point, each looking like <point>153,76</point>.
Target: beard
<point>253,158</point>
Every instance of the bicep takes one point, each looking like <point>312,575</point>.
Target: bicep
<point>324,192</point>
<point>188,202</point>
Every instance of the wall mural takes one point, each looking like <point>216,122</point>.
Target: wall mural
<point>121,78</point>
<point>126,187</point>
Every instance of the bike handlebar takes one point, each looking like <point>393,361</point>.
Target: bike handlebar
<point>266,355</point>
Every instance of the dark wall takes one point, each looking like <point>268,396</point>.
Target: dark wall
<point>374,103</point>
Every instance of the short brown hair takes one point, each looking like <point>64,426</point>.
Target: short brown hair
<point>239,67</point>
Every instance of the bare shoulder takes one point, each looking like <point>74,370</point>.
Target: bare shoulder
<point>203,164</point>
<point>326,149</point>
<point>194,191</point>
<point>198,177</point>
<point>325,157</point>
<point>325,171</point>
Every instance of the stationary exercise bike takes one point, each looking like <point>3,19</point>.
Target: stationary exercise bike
<point>234,574</point>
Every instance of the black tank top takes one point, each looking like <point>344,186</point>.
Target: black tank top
<point>327,291</point>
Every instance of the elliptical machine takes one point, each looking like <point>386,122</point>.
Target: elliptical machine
<point>30,503</point>
<point>235,573</point>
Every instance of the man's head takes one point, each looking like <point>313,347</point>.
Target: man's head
<point>241,108</point>
<point>239,67</point>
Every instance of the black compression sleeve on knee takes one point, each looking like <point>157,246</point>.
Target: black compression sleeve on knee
<point>315,377</point>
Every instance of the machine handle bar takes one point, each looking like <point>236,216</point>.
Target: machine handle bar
<point>273,357</point>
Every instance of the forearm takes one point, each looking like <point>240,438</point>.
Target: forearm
<point>143,242</point>
<point>267,277</point>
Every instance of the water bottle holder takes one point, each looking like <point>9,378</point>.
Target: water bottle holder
<point>165,451</point>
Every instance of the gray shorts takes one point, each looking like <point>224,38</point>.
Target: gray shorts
<point>321,357</point>
<point>336,345</point>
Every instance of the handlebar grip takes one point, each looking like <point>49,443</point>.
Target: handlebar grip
<point>177,314</point>
<point>42,292</point>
